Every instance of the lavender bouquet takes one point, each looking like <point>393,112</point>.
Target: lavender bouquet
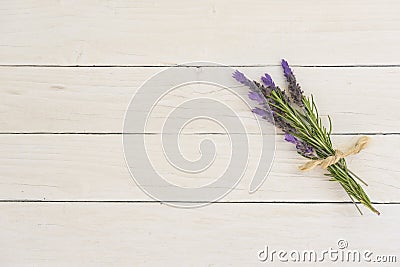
<point>297,116</point>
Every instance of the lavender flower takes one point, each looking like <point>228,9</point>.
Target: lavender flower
<point>286,69</point>
<point>280,122</point>
<point>256,93</point>
<point>299,125</point>
<point>270,86</point>
<point>302,148</point>
<point>256,89</point>
<point>295,91</point>
<point>260,112</point>
<point>291,139</point>
<point>257,97</point>
<point>267,80</point>
<point>240,77</point>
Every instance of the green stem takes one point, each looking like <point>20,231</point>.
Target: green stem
<point>308,127</point>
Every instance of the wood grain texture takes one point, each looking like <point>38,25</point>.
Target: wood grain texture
<point>92,167</point>
<point>168,32</point>
<point>95,99</point>
<point>93,234</point>
<point>68,70</point>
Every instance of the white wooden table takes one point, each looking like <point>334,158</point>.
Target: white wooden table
<point>68,70</point>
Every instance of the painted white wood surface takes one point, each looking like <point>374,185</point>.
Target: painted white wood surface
<point>168,32</point>
<point>107,234</point>
<point>92,167</point>
<point>95,99</point>
<point>66,197</point>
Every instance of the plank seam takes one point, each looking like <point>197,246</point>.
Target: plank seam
<point>219,202</point>
<point>208,66</point>
<point>210,133</point>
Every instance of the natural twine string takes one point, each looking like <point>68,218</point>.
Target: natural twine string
<point>361,143</point>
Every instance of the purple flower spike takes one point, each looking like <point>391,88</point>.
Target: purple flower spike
<point>295,91</point>
<point>291,139</point>
<point>267,80</point>
<point>286,69</point>
<point>259,112</point>
<point>309,151</point>
<point>303,148</point>
<point>257,97</point>
<point>240,77</point>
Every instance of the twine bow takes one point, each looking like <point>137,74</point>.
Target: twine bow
<point>361,143</point>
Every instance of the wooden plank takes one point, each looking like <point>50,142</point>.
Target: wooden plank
<point>92,167</point>
<point>104,234</point>
<point>95,99</point>
<point>230,32</point>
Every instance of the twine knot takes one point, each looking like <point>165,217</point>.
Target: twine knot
<point>361,143</point>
